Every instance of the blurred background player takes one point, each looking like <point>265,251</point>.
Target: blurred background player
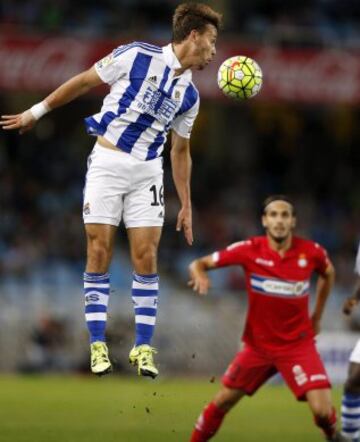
<point>151,93</point>
<point>279,334</point>
<point>350,410</point>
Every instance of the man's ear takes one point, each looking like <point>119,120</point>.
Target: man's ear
<point>193,35</point>
<point>263,221</point>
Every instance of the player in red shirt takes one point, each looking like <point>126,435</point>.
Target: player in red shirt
<point>279,333</point>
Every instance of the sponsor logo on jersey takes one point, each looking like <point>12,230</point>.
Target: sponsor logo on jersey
<point>161,215</point>
<point>278,287</point>
<point>154,103</point>
<point>265,262</point>
<point>177,95</point>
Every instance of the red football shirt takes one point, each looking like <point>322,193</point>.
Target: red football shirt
<point>277,287</point>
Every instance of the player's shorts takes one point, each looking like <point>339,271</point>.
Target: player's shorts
<point>119,186</point>
<point>300,366</point>
<point>355,354</point>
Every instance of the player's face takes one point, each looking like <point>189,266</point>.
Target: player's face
<point>204,47</point>
<point>279,220</point>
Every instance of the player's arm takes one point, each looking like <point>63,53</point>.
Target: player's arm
<point>237,253</point>
<point>353,300</point>
<point>324,285</point>
<point>68,91</point>
<point>181,170</point>
<point>199,279</point>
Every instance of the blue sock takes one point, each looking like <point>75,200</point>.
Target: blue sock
<point>350,416</point>
<point>97,290</point>
<point>145,289</point>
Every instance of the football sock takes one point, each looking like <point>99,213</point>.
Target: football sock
<point>145,289</point>
<point>350,416</point>
<point>97,290</point>
<point>208,423</point>
<point>327,424</point>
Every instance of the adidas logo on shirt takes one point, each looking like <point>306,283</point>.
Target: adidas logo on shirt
<point>153,79</point>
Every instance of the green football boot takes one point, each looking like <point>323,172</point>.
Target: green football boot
<point>100,362</point>
<point>141,357</point>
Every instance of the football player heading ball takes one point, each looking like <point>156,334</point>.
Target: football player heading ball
<point>151,93</point>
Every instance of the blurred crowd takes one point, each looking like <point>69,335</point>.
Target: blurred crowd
<point>41,176</point>
<point>241,154</point>
<point>298,23</point>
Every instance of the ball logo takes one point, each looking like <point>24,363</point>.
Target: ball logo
<point>232,74</point>
<point>235,65</point>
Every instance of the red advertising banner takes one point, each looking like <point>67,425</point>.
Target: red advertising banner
<point>309,76</point>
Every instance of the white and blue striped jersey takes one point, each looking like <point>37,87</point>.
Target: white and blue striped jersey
<point>145,101</point>
<point>357,262</point>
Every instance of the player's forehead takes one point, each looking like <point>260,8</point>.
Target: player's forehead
<point>210,31</point>
<point>278,206</point>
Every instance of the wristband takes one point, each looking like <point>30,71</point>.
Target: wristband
<point>39,109</point>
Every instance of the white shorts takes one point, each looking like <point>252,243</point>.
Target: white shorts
<point>355,354</point>
<point>120,186</point>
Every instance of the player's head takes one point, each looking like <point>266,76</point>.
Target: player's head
<point>278,218</point>
<point>197,26</point>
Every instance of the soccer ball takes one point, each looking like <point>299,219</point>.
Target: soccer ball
<point>239,77</point>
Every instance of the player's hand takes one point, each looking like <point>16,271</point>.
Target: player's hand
<point>24,121</point>
<point>184,222</point>
<point>349,305</point>
<point>199,282</point>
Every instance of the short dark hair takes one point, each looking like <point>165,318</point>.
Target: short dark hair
<point>278,197</point>
<point>189,16</point>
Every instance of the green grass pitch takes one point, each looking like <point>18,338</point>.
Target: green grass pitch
<point>117,409</point>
